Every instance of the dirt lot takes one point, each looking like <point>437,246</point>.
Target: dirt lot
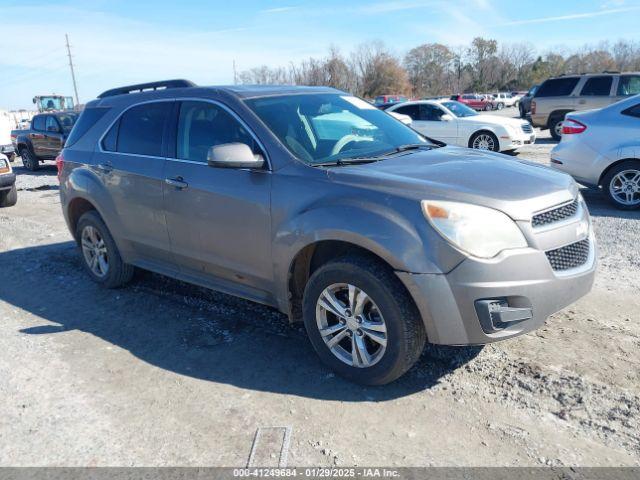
<point>162,373</point>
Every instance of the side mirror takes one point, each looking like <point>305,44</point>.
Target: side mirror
<point>446,118</point>
<point>233,155</point>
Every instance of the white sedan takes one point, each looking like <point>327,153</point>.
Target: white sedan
<point>456,124</point>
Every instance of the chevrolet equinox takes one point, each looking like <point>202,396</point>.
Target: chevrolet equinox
<point>316,203</point>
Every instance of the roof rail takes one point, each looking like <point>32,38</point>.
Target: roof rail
<point>141,87</point>
<point>611,71</point>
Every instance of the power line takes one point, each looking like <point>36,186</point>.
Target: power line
<point>73,74</point>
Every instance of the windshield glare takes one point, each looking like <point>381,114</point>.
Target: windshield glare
<point>460,109</point>
<point>329,127</point>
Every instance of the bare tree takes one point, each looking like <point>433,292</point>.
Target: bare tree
<point>431,69</point>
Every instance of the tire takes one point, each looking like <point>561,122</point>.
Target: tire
<point>555,127</point>
<point>625,175</point>
<point>9,198</point>
<point>11,157</point>
<point>523,114</point>
<point>484,140</point>
<point>388,302</point>
<point>488,107</point>
<point>117,273</point>
<point>28,160</point>
<point>500,105</point>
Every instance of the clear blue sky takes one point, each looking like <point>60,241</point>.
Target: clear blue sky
<point>116,42</point>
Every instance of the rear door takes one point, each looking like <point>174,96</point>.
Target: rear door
<point>130,161</point>
<point>219,219</point>
<point>626,86</point>
<point>596,92</point>
<point>37,135</point>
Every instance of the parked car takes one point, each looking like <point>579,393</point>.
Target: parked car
<point>44,139</point>
<point>477,102</point>
<point>385,99</point>
<point>601,148</point>
<point>503,99</point>
<point>456,124</point>
<point>558,96</point>
<point>8,191</point>
<point>375,237</point>
<point>524,104</point>
<point>6,147</point>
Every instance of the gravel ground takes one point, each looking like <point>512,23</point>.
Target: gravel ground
<point>163,373</point>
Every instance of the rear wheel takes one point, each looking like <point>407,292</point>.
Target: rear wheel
<point>29,161</point>
<point>484,141</point>
<point>9,198</point>
<point>555,127</point>
<point>361,321</point>
<point>622,185</point>
<point>100,254</point>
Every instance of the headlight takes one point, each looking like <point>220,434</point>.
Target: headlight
<point>4,166</point>
<point>480,231</point>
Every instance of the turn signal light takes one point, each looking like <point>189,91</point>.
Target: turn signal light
<point>59,165</point>
<point>571,126</point>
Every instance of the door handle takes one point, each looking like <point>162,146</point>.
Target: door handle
<point>177,182</point>
<point>105,167</point>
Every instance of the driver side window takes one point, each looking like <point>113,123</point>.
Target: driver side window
<point>202,125</point>
<point>430,113</point>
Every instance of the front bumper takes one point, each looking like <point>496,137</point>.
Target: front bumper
<point>515,141</point>
<point>7,180</point>
<point>522,278</point>
<point>7,149</point>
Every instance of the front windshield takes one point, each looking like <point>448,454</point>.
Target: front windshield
<point>330,127</point>
<point>67,121</point>
<point>460,109</point>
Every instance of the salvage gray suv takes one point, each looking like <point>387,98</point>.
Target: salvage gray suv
<point>315,202</point>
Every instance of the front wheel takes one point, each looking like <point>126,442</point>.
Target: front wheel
<point>101,256</point>
<point>488,107</point>
<point>484,141</point>
<point>622,185</point>
<point>9,198</point>
<point>361,321</point>
<point>523,114</point>
<point>500,106</point>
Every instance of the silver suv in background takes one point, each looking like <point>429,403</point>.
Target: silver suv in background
<point>332,211</point>
<point>558,96</point>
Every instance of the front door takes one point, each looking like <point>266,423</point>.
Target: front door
<point>53,138</point>
<point>431,124</point>
<point>219,219</point>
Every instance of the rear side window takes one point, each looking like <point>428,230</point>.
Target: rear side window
<point>412,110</point>
<point>87,119</point>
<point>141,129</point>
<point>628,85</point>
<point>597,87</point>
<point>632,111</point>
<point>557,87</point>
<point>430,113</point>
<point>39,123</point>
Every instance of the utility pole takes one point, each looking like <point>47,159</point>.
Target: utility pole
<point>73,74</point>
<point>235,74</point>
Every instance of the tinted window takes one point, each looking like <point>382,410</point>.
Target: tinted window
<point>412,110</point>
<point>597,87</point>
<point>67,120</point>
<point>430,113</point>
<point>557,87</point>
<point>628,85</point>
<point>110,141</point>
<point>38,123</point>
<point>632,111</point>
<point>87,119</point>
<point>141,129</point>
<point>52,125</point>
<point>203,125</point>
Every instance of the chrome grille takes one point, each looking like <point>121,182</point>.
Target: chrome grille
<point>570,256</point>
<point>555,215</point>
<point>527,128</point>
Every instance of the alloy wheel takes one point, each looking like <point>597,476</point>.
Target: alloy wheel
<point>558,128</point>
<point>94,251</point>
<point>625,187</point>
<point>484,142</point>
<point>351,325</point>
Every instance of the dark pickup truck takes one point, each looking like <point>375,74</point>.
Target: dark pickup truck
<point>44,139</point>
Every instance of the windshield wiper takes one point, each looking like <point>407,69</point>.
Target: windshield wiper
<point>347,161</point>
<point>406,148</point>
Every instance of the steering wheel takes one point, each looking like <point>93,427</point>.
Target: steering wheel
<point>340,144</point>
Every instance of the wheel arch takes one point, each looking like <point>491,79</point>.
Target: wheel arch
<point>613,165</point>
<point>483,129</point>
<point>557,113</point>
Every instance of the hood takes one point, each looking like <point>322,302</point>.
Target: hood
<point>515,187</point>
<point>494,120</point>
